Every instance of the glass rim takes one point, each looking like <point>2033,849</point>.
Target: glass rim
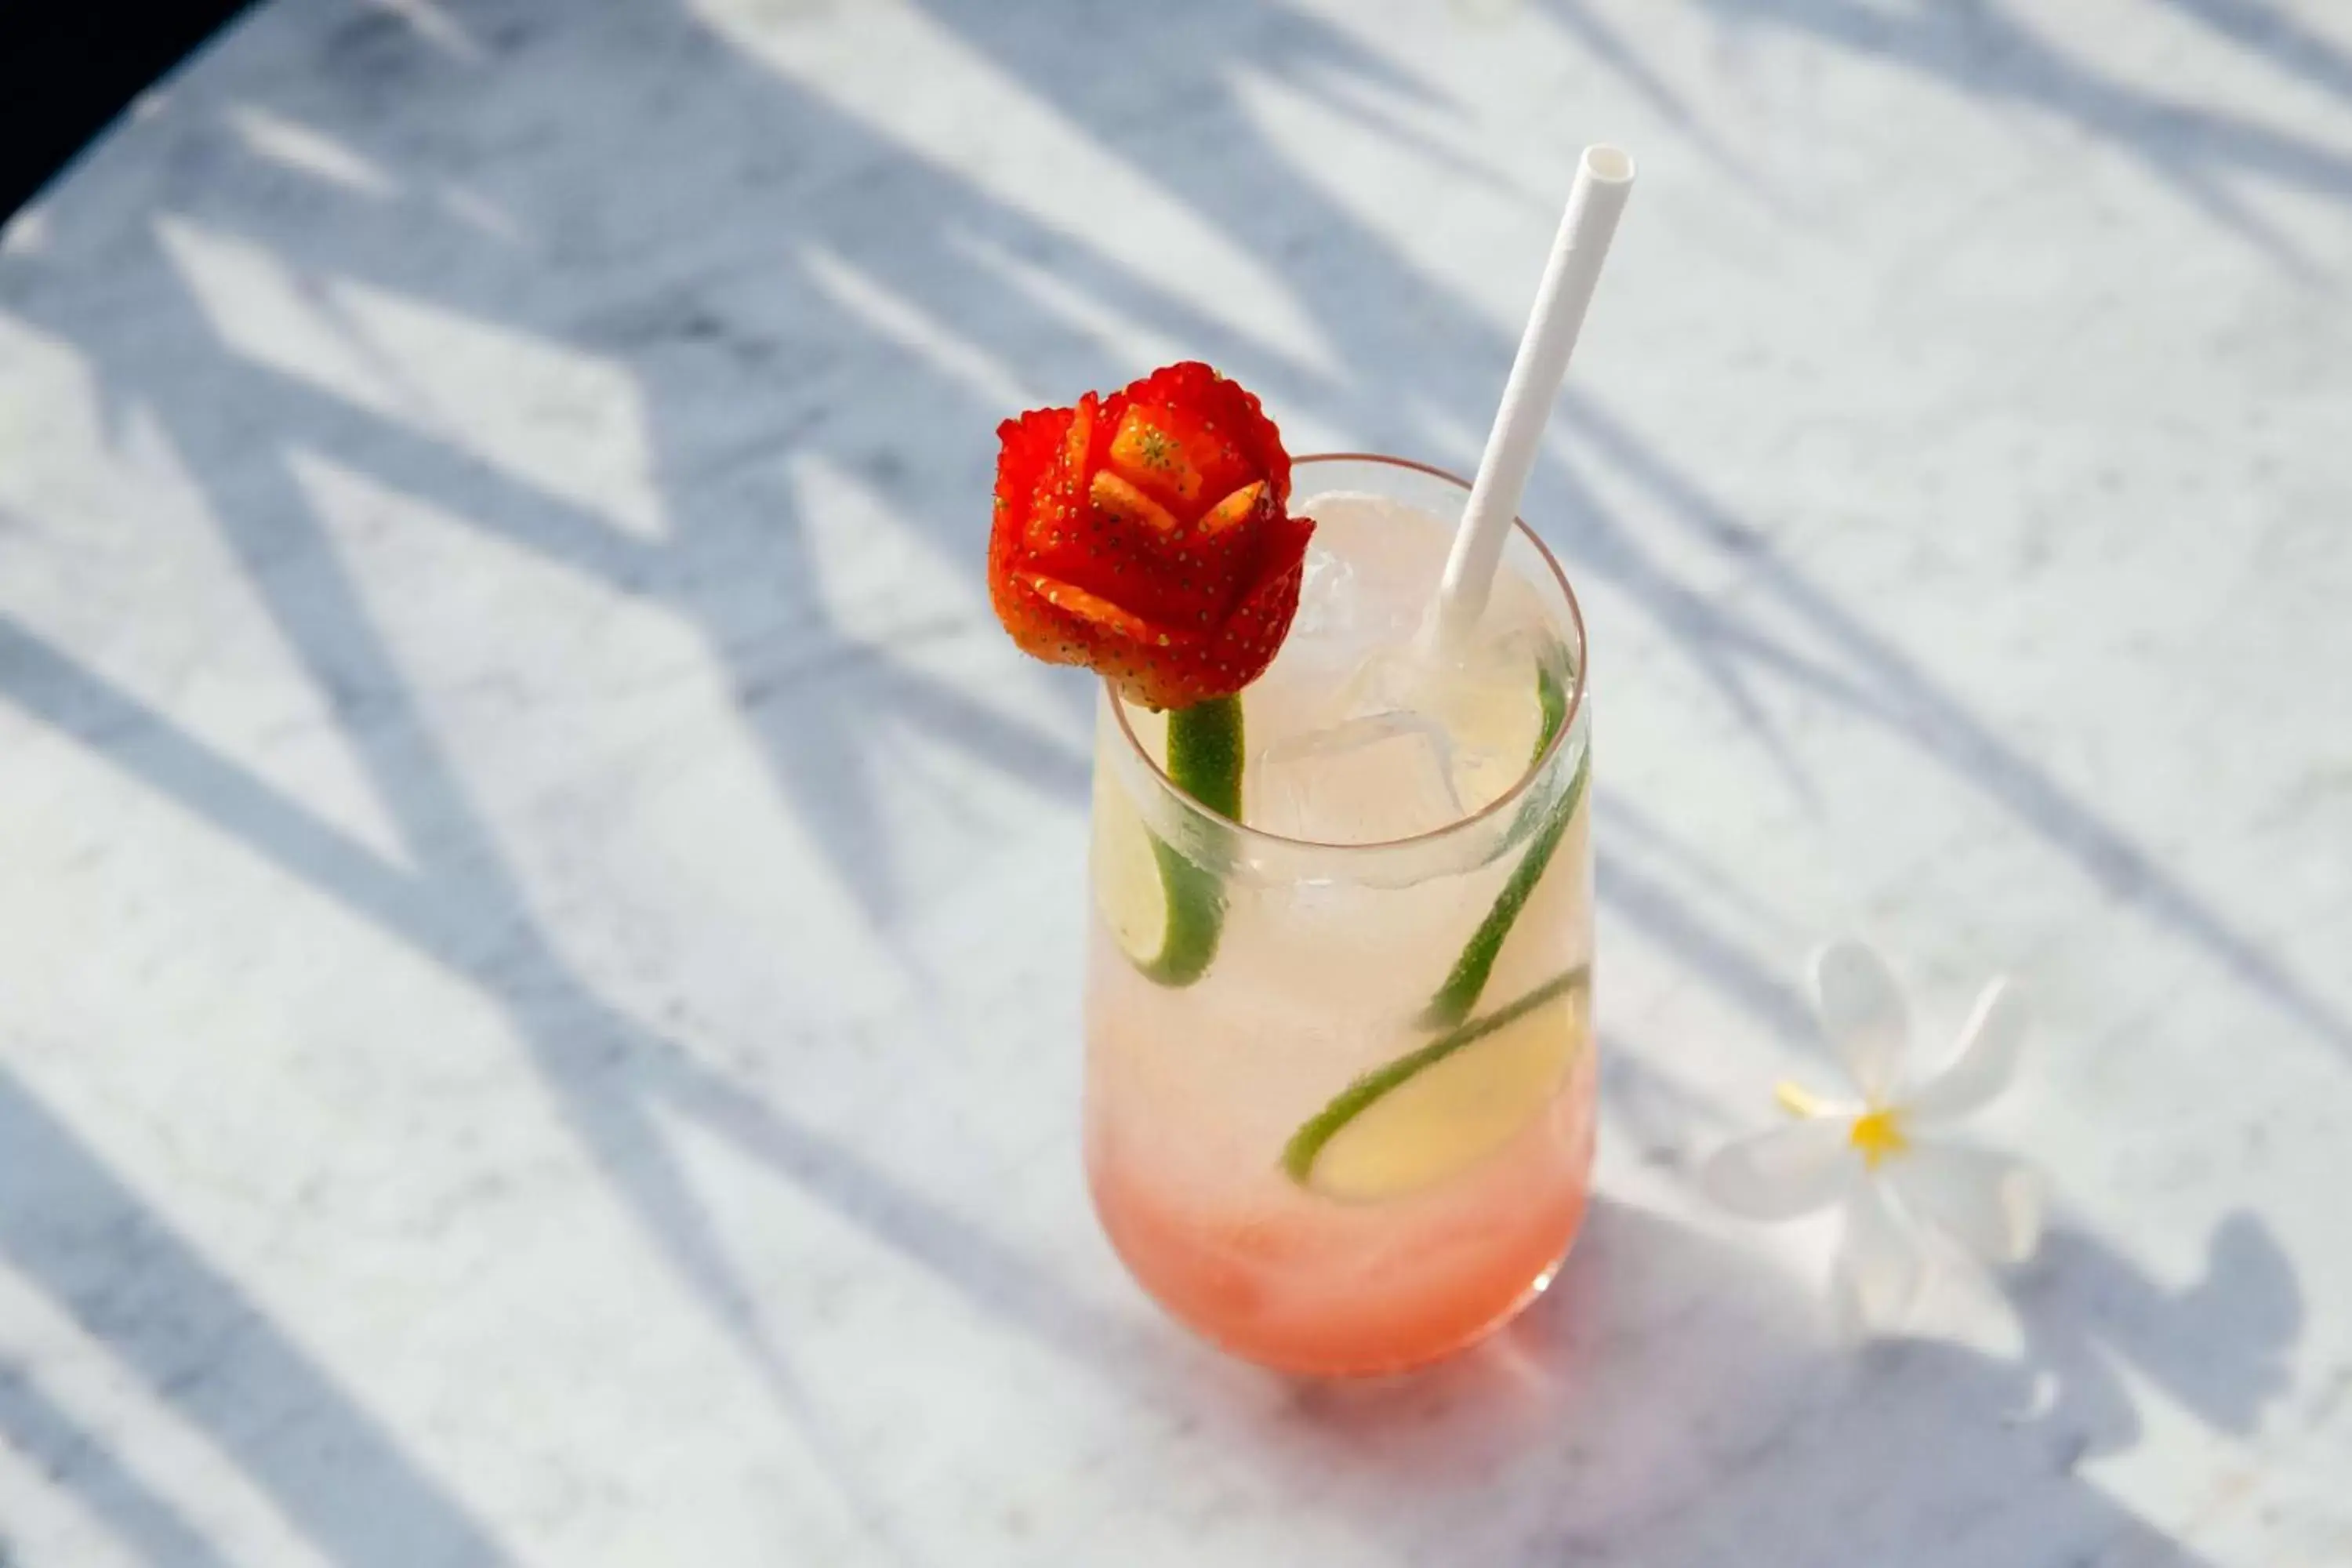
<point>1492,810</point>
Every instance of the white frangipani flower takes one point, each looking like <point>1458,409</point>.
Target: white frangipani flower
<point>1878,1156</point>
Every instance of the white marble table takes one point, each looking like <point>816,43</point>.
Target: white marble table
<point>539,914</point>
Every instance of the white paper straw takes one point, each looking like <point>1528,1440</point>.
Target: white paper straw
<point>1605,176</point>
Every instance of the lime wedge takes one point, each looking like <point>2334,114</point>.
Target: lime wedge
<point>1166,912</point>
<point>1442,1109</point>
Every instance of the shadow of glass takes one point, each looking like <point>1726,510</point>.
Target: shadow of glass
<point>1595,1381</point>
<point>1673,1399</point>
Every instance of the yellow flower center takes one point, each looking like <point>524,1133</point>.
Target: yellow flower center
<point>1879,1136</point>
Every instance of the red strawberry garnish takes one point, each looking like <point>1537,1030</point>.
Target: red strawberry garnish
<point>1147,536</point>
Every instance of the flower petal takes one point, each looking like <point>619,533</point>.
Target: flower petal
<point>1880,1265</point>
<point>1985,1063</point>
<point>1988,1203</point>
<point>1863,1016</point>
<point>1784,1173</point>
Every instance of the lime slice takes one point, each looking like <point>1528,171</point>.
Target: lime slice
<point>1165,911</point>
<point>1125,869</point>
<point>1467,979</point>
<point>1444,1108</point>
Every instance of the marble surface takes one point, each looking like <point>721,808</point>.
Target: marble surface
<point>539,915</point>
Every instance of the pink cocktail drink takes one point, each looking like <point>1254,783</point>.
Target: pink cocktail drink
<point>1340,1070</point>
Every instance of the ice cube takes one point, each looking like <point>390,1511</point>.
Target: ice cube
<point>1327,598</point>
<point>1362,732</point>
<point>1360,590</point>
<point>1369,778</point>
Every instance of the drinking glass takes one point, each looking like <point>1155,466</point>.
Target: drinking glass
<point>1340,1098</point>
